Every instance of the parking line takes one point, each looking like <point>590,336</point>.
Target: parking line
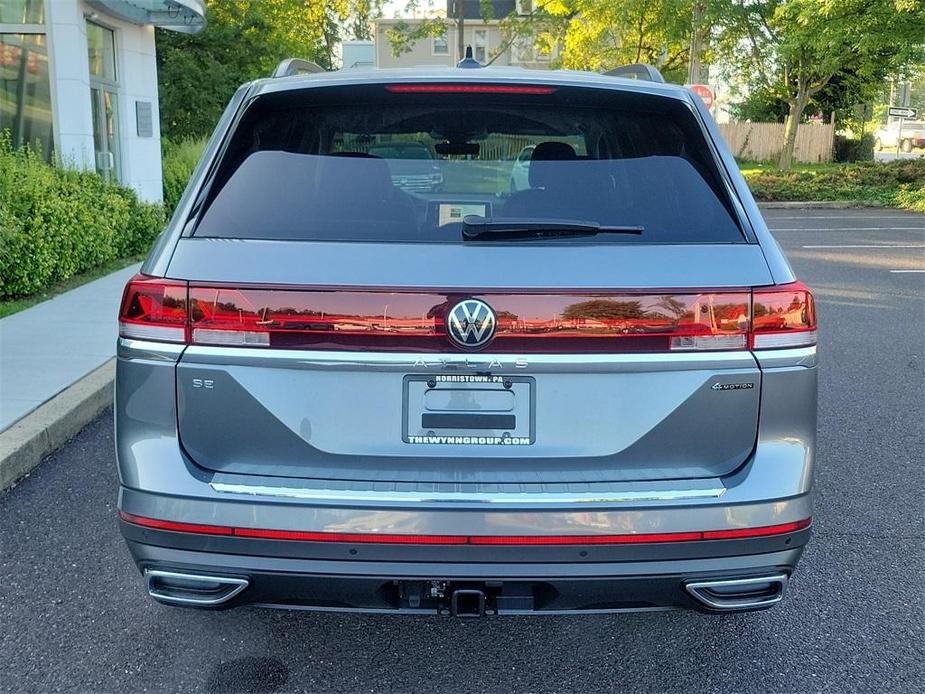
<point>830,229</point>
<point>872,245</point>
<point>803,218</point>
<point>905,271</point>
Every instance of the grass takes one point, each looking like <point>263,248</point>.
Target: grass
<point>10,306</point>
<point>753,168</point>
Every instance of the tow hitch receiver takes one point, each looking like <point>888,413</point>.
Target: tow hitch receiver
<point>467,602</point>
<point>468,598</point>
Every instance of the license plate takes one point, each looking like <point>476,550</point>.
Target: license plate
<point>468,410</point>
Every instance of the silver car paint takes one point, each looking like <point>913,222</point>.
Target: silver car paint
<point>470,267</point>
<point>159,480</point>
<point>772,485</point>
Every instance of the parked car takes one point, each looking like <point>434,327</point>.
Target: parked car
<point>520,170</point>
<point>913,135</point>
<point>412,165</point>
<point>596,394</point>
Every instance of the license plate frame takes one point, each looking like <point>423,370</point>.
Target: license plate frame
<point>524,409</point>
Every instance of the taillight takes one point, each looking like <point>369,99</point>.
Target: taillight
<point>236,317</point>
<point>783,316</point>
<point>713,321</point>
<point>154,309</point>
<point>344,319</point>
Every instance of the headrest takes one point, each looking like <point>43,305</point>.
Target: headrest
<point>542,173</point>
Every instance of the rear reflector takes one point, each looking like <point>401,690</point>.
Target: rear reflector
<point>415,321</point>
<point>468,89</point>
<point>504,540</point>
<point>157,524</point>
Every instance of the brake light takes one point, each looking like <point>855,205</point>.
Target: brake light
<point>783,316</point>
<point>468,89</point>
<point>154,308</point>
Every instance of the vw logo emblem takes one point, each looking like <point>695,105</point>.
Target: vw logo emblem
<point>471,323</point>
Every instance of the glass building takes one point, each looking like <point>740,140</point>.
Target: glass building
<point>78,82</point>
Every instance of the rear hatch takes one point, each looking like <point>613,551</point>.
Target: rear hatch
<point>593,327</point>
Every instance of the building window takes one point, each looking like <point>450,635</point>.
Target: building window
<point>101,52</point>
<point>441,46</point>
<point>22,12</point>
<point>25,93</point>
<point>104,101</point>
<point>480,49</point>
<point>523,51</point>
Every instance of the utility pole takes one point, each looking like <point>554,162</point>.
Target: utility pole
<point>693,67</point>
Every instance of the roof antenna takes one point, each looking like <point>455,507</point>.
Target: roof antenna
<point>469,61</point>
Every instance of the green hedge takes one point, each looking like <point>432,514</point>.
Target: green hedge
<point>848,149</point>
<point>179,161</point>
<point>56,223</point>
<point>894,184</point>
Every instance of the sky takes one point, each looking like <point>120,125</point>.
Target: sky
<point>397,8</point>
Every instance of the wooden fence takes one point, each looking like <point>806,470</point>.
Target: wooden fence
<point>763,141</point>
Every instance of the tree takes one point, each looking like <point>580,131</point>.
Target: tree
<point>589,34</point>
<point>244,40</point>
<point>603,309</point>
<point>602,34</point>
<point>793,49</point>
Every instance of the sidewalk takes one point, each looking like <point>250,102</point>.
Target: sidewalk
<point>52,345</point>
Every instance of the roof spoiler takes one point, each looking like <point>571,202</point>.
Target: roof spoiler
<point>296,66</point>
<point>637,71</point>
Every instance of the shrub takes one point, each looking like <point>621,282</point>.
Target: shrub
<point>56,223</point>
<point>178,162</point>
<point>895,184</point>
<point>911,197</point>
<point>850,149</point>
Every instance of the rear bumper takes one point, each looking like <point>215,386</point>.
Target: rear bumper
<point>160,481</point>
<point>511,580</point>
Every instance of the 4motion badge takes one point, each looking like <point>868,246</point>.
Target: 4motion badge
<point>732,386</point>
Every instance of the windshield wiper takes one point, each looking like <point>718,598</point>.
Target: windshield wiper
<point>485,228</point>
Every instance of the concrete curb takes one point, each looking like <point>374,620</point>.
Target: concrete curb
<point>818,205</point>
<point>52,424</point>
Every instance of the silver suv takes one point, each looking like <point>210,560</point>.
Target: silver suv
<point>594,394</point>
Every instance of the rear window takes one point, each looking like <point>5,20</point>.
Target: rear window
<point>365,163</point>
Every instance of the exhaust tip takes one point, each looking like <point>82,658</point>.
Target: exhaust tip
<point>176,588</point>
<point>753,593</point>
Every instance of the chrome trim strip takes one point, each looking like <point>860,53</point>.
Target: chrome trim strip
<point>360,496</point>
<point>483,361</point>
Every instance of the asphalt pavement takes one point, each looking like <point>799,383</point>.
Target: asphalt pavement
<point>890,154</point>
<point>73,615</point>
